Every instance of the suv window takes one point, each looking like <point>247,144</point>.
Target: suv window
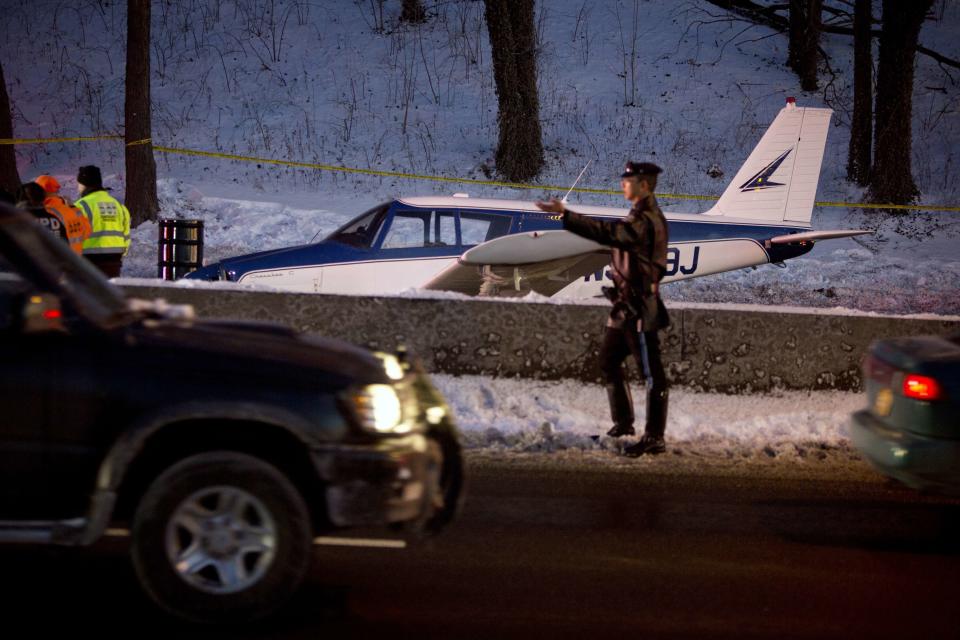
<point>420,228</point>
<point>476,228</point>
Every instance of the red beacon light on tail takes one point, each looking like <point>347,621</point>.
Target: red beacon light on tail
<point>791,103</point>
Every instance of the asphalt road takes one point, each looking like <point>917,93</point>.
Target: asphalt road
<point>602,552</point>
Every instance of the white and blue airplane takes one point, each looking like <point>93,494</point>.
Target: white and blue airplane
<point>509,247</point>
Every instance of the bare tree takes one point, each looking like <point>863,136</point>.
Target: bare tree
<point>513,48</point>
<point>629,39</point>
<point>861,128</point>
<point>141,196</point>
<point>805,40</point>
<point>891,179</point>
<point>9,178</point>
<point>413,11</point>
<point>768,15</point>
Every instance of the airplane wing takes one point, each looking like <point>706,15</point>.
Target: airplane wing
<point>813,236</point>
<point>540,261</point>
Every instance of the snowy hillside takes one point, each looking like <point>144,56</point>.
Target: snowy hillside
<point>342,83</point>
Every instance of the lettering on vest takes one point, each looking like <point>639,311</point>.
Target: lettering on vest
<point>52,224</point>
<point>108,210</point>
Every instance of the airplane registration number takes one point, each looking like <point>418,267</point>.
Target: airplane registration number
<point>685,263</point>
<point>674,264</point>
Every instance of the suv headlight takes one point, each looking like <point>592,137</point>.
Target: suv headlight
<point>391,365</point>
<point>379,409</point>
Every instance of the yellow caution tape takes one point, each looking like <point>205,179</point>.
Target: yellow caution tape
<point>414,176</point>
<point>511,185</point>
<point>867,205</point>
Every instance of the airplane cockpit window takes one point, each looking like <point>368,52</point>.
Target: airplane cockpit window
<point>420,228</point>
<point>362,230</point>
<point>477,228</point>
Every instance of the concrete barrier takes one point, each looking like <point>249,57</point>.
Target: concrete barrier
<point>736,350</point>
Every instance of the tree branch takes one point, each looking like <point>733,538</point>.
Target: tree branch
<point>753,12</point>
<point>766,15</point>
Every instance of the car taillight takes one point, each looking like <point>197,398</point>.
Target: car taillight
<point>921,387</point>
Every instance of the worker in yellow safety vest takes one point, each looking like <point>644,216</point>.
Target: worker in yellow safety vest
<point>109,223</point>
<point>76,225</point>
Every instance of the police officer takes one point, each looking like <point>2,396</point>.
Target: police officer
<point>109,223</point>
<point>638,261</point>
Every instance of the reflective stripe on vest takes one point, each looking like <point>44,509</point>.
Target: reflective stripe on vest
<point>88,214</point>
<point>77,226</point>
<point>109,222</point>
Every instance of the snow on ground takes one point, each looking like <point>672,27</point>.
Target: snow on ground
<point>342,83</point>
<point>564,418</point>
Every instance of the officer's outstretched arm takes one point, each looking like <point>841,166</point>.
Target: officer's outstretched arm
<point>612,233</point>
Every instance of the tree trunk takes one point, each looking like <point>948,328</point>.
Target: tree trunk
<point>891,179</point>
<point>141,195</point>
<point>805,41</point>
<point>512,45</point>
<point>413,11</point>
<point>861,129</point>
<point>9,178</point>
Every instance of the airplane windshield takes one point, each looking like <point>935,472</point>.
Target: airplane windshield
<point>362,230</point>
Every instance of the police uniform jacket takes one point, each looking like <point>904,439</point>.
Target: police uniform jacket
<point>49,221</point>
<point>638,260</point>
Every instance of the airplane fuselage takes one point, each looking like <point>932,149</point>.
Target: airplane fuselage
<point>392,257</point>
<point>507,247</point>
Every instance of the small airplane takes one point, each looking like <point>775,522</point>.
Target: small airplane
<point>509,247</point>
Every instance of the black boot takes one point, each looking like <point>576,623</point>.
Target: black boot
<point>657,402</point>
<point>618,431</point>
<point>621,410</point>
<point>647,445</point>
<point>652,441</point>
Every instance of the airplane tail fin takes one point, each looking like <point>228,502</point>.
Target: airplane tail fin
<point>778,182</point>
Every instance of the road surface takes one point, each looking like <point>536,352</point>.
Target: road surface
<point>612,550</point>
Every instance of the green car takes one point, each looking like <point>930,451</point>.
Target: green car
<point>910,429</point>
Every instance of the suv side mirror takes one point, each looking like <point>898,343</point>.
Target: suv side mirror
<point>42,313</point>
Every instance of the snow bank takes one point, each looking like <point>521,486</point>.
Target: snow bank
<point>513,415</point>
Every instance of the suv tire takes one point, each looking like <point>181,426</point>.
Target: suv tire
<point>221,537</point>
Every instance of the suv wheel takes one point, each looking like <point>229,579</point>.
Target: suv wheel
<point>221,537</point>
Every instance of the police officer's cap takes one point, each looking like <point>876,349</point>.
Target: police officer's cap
<point>640,169</point>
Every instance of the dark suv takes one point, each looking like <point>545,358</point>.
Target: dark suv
<point>224,447</point>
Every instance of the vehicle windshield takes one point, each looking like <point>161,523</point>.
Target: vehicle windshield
<point>362,230</point>
<point>37,256</point>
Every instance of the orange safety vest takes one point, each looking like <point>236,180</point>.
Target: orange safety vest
<point>77,226</point>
